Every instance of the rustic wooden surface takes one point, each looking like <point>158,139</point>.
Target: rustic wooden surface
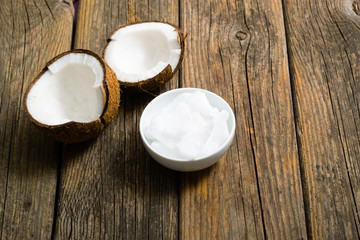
<point>32,32</point>
<point>238,51</point>
<point>324,55</point>
<point>109,187</point>
<point>290,71</point>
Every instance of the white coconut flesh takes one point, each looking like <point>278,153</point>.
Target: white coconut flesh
<point>68,91</point>
<point>141,51</point>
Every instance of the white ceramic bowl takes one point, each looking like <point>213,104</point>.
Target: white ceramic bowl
<point>158,103</point>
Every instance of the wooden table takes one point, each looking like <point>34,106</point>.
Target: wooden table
<point>290,69</point>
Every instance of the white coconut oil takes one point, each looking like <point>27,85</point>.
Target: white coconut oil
<point>188,128</point>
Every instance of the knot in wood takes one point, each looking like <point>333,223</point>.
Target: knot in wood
<point>241,35</point>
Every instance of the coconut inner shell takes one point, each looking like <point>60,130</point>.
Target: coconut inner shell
<point>74,97</point>
<point>68,91</point>
<point>143,51</point>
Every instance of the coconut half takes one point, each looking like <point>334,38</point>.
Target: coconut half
<point>145,55</point>
<point>74,97</point>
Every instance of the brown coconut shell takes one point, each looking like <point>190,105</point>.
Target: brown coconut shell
<point>161,78</point>
<point>73,132</point>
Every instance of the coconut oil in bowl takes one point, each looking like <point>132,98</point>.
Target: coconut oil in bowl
<point>187,129</point>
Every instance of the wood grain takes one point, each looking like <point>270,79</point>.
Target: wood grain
<point>324,53</point>
<point>32,32</point>
<point>110,187</point>
<point>237,49</point>
<point>293,171</point>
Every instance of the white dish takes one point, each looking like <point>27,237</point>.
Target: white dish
<point>158,103</point>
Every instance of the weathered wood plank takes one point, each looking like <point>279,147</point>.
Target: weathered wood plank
<point>110,187</point>
<point>32,32</point>
<point>324,53</point>
<point>238,50</point>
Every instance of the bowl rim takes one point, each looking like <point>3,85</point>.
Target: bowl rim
<point>153,101</point>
